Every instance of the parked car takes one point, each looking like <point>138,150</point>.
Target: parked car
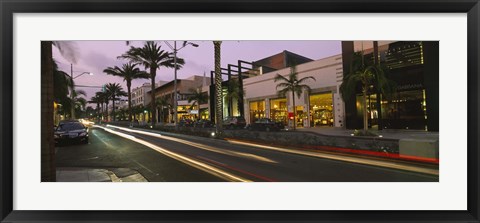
<point>203,123</point>
<point>185,123</point>
<point>71,132</point>
<point>233,122</point>
<point>266,124</point>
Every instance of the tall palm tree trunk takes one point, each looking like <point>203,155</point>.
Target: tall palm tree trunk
<point>102,112</point>
<point>97,111</point>
<point>294,111</point>
<point>218,88</point>
<point>365,115</point>
<point>153,109</point>
<point>129,85</point>
<point>113,107</point>
<point>106,110</point>
<point>47,142</point>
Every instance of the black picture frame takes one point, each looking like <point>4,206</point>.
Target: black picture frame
<point>9,7</point>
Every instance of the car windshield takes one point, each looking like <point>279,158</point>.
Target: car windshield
<point>70,126</point>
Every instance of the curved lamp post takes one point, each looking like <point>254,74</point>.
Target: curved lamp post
<point>72,109</point>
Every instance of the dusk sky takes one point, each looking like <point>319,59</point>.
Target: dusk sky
<point>95,56</point>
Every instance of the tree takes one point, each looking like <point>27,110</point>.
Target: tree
<point>103,98</point>
<point>152,57</point>
<point>162,103</point>
<point>62,84</point>
<point>218,87</point>
<point>96,100</point>
<point>198,97</point>
<point>76,102</point>
<point>114,90</point>
<point>48,171</point>
<point>129,72</point>
<point>370,76</point>
<point>233,93</point>
<point>294,85</point>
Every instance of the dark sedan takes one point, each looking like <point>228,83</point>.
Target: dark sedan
<point>71,132</point>
<point>266,124</point>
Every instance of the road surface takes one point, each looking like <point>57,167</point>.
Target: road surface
<point>179,158</point>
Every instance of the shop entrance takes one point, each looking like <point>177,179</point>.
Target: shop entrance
<point>299,116</point>
<point>257,110</point>
<point>278,110</point>
<point>321,109</point>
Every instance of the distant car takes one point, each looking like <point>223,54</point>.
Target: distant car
<point>233,122</point>
<point>203,123</point>
<point>185,123</point>
<point>266,124</point>
<point>71,132</point>
<point>86,122</point>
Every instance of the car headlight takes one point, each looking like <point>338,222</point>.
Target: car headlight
<point>82,134</point>
<point>56,136</point>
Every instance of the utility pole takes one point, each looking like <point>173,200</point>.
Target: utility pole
<point>72,106</point>
<point>175,100</point>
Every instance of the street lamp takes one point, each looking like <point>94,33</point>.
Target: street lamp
<point>72,109</point>
<point>175,50</point>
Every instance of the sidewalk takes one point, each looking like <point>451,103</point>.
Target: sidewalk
<point>72,174</point>
<point>386,133</point>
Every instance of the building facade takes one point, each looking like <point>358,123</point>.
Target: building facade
<point>322,106</point>
<point>185,89</point>
<point>413,66</point>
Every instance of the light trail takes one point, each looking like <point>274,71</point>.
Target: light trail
<point>198,145</point>
<point>189,161</point>
<point>342,158</point>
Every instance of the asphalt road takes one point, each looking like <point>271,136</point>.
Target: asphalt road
<point>161,157</point>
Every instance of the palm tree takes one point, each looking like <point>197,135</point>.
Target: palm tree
<point>162,102</point>
<point>80,104</point>
<point>129,72</point>
<point>96,100</point>
<point>114,90</point>
<point>294,85</point>
<point>218,87</point>
<point>198,97</point>
<point>152,57</point>
<point>48,171</point>
<point>102,99</point>
<point>370,76</point>
<point>233,93</point>
<point>62,84</point>
<point>76,101</point>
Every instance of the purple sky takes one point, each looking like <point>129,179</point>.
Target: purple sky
<point>95,56</point>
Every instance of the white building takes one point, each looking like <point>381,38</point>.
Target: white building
<point>323,106</point>
<point>140,95</point>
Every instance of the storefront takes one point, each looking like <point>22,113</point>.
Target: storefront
<point>257,110</point>
<point>187,112</point>
<point>321,109</point>
<point>413,68</point>
<point>278,110</point>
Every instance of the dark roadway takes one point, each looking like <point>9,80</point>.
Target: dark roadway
<point>193,159</point>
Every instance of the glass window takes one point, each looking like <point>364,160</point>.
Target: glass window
<point>278,110</point>
<point>257,110</point>
<point>406,110</point>
<point>321,109</point>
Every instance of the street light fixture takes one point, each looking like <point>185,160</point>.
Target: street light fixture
<point>89,73</point>
<point>72,109</point>
<point>175,50</point>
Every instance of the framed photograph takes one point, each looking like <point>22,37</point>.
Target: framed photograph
<point>161,111</point>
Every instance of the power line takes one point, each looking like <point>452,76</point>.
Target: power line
<point>89,86</point>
